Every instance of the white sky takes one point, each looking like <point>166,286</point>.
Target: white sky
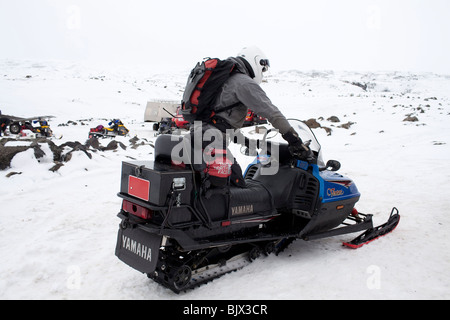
<point>369,35</point>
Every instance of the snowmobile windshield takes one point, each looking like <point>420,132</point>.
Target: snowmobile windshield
<point>307,136</point>
<point>304,132</point>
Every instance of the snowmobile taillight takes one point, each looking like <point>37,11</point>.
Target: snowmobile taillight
<point>136,210</point>
<point>226,223</point>
<point>355,212</point>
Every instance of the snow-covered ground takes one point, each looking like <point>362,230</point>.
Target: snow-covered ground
<point>58,229</point>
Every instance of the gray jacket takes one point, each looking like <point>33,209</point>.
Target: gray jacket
<point>243,91</point>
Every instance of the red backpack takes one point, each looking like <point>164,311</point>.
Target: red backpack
<point>203,86</point>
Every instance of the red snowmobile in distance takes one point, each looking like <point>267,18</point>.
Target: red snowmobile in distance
<point>253,119</point>
<point>168,125</point>
<point>179,120</point>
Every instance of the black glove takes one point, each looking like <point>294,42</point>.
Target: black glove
<point>296,146</point>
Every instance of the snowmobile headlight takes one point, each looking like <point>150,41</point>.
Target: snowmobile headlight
<point>179,184</point>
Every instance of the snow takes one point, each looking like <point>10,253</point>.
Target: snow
<point>58,229</point>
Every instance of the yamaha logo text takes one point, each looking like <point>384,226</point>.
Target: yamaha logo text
<point>137,248</point>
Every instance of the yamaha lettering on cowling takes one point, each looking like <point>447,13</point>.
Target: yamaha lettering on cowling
<point>182,232</point>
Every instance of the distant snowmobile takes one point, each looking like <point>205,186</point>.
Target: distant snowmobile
<point>253,119</point>
<point>116,128</point>
<point>182,233</point>
<point>17,125</point>
<point>169,125</point>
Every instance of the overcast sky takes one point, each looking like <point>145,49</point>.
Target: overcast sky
<point>370,35</point>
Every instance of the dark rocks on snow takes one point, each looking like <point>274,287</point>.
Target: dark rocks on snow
<point>113,146</point>
<point>333,119</point>
<point>313,124</point>
<point>411,118</point>
<point>7,153</point>
<point>346,125</point>
<point>60,153</point>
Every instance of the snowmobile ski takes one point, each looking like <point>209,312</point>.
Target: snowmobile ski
<point>376,232</point>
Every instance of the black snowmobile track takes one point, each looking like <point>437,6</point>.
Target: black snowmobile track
<point>181,272</point>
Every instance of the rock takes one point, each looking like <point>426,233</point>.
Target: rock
<point>313,124</point>
<point>12,174</point>
<point>134,140</point>
<point>113,146</point>
<point>411,119</point>
<point>60,153</point>
<point>333,119</point>
<point>38,153</point>
<point>328,130</point>
<point>8,153</point>
<point>93,142</point>
<point>56,166</point>
<point>346,125</point>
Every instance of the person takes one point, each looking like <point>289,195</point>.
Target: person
<point>243,91</point>
<point>4,122</point>
<point>114,124</point>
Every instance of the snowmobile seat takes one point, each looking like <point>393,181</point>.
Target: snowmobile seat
<point>253,199</point>
<point>164,145</point>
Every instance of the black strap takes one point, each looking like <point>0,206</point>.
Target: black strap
<point>220,124</point>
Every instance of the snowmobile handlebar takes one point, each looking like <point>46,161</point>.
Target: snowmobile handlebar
<point>250,146</point>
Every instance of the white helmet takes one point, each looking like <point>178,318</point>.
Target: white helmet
<point>257,61</point>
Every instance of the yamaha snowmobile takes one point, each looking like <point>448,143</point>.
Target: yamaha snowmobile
<point>181,234</point>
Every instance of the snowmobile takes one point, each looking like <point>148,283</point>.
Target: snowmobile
<point>116,128</point>
<point>165,126</point>
<point>169,125</point>
<point>252,119</point>
<point>179,120</point>
<point>42,130</point>
<point>182,233</point>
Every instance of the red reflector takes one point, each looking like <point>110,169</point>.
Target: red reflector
<point>138,188</point>
<point>136,210</point>
<point>226,223</point>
